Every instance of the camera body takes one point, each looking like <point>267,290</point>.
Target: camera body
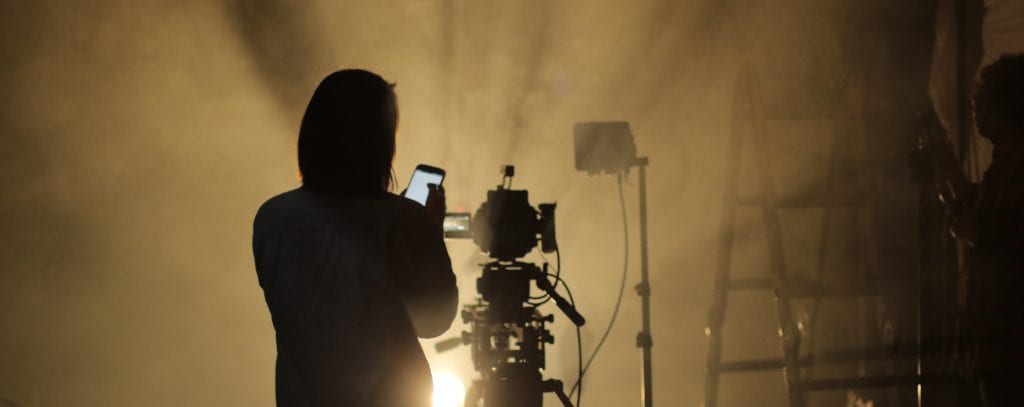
<point>506,227</point>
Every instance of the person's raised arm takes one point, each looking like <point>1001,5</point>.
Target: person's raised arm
<point>427,285</point>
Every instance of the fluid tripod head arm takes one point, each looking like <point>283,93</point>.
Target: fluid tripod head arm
<point>448,344</point>
<point>542,283</point>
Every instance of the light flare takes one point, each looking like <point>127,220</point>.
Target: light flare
<point>448,390</point>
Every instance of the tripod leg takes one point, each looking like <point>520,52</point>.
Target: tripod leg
<point>472,397</point>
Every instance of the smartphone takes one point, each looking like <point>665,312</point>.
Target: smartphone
<point>421,176</point>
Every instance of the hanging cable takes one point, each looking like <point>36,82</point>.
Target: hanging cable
<point>618,302</point>
<point>579,336</point>
<point>558,273</point>
<point>579,363</point>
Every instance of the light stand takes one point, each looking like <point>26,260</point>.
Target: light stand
<point>608,148</point>
<point>644,339</point>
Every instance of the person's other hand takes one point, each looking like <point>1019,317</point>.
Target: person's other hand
<point>436,204</point>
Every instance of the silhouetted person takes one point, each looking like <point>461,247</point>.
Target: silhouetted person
<point>992,289</point>
<point>351,273</point>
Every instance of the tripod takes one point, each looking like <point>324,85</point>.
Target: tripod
<point>508,336</point>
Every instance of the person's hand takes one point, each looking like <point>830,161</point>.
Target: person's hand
<point>436,204</point>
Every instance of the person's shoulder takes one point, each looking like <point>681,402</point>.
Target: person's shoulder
<point>282,202</point>
<point>301,207</point>
<point>281,206</point>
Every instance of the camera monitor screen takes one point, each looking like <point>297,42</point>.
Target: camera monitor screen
<point>456,225</point>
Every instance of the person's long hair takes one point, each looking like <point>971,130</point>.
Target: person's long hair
<point>347,138</point>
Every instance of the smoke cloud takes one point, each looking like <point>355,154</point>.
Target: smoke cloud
<point>139,138</point>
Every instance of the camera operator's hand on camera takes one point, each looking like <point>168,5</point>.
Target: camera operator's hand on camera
<point>436,204</point>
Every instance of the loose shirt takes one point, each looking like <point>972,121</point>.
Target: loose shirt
<point>350,284</point>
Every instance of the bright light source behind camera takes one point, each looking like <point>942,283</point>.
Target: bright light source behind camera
<point>448,390</point>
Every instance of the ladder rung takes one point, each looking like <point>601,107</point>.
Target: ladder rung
<point>750,365</point>
<point>807,289</point>
<point>807,200</point>
<point>859,382</point>
<point>751,284</point>
<point>881,381</point>
<point>824,358</point>
<point>812,115</point>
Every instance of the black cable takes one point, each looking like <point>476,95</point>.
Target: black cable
<point>558,265</point>
<point>545,297</point>
<point>622,289</point>
<point>543,300</point>
<point>579,363</point>
<point>558,273</point>
<point>579,336</point>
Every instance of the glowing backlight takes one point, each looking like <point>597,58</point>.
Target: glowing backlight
<point>448,390</point>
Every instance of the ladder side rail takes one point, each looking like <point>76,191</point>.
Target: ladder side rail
<point>829,188</point>
<point>723,267</point>
<point>773,233</point>
<point>868,226</point>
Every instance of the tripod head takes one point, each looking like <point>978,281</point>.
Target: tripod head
<point>505,286</point>
<point>509,336</point>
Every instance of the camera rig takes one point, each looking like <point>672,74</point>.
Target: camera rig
<point>508,334</point>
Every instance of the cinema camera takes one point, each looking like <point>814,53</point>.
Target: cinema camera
<point>508,333</point>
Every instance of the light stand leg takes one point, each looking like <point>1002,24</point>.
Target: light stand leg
<point>644,339</point>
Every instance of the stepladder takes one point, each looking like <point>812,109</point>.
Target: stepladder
<point>798,236</point>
